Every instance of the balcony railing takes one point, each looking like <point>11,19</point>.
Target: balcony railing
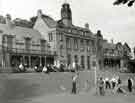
<point>27,51</point>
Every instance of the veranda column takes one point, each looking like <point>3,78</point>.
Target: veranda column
<point>23,60</point>
<point>45,60</point>
<point>40,57</point>
<point>29,61</point>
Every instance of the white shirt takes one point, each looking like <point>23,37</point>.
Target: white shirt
<point>75,77</point>
<point>106,79</point>
<point>44,69</point>
<point>21,66</point>
<point>73,65</point>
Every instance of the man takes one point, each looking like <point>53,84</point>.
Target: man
<point>44,69</point>
<point>107,83</point>
<point>101,86</point>
<point>113,81</point>
<point>74,80</point>
<point>21,68</point>
<point>73,67</point>
<point>130,84</point>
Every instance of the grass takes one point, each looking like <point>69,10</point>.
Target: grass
<point>43,88</point>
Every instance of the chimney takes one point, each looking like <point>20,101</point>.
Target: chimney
<point>9,20</point>
<point>39,13</point>
<point>112,41</point>
<point>87,26</point>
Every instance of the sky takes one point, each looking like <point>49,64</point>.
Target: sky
<point>115,22</point>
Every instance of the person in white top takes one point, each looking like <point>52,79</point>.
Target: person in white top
<point>107,83</point>
<point>21,67</point>
<point>113,81</point>
<point>44,69</point>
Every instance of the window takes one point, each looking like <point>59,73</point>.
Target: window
<point>82,45</point>
<point>88,62</point>
<point>68,59</point>
<point>82,62</point>
<point>9,42</point>
<point>61,36</point>
<point>68,44</point>
<point>27,43</point>
<point>50,37</point>
<point>61,50</point>
<point>42,43</point>
<point>76,58</point>
<point>75,44</point>
<point>88,45</point>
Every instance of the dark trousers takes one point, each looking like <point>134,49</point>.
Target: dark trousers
<point>101,91</point>
<point>113,85</point>
<point>130,88</point>
<point>107,85</point>
<point>74,87</point>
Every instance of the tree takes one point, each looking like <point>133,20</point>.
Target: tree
<point>134,52</point>
<point>129,3</point>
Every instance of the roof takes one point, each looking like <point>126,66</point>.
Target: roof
<point>107,45</point>
<point>47,19</point>
<point>50,21</point>
<point>20,32</point>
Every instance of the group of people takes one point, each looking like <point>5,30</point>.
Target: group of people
<point>114,84</point>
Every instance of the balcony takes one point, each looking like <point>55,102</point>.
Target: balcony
<point>29,51</point>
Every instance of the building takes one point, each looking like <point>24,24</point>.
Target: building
<point>22,44</point>
<point>116,56</point>
<point>70,43</point>
<point>44,40</point>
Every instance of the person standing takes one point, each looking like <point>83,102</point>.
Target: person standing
<point>130,84</point>
<point>113,81</point>
<point>101,86</point>
<point>74,80</point>
<point>107,83</point>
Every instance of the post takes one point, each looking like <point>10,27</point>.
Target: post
<point>40,57</point>
<point>45,61</point>
<point>30,61</point>
<point>95,72</point>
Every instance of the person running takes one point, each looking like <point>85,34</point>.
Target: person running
<point>130,84</point>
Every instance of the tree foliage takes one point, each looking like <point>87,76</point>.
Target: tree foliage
<point>129,3</point>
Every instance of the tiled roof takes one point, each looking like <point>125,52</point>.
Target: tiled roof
<point>50,21</point>
<point>107,45</point>
<point>20,32</point>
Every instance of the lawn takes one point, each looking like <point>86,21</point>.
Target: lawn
<point>55,87</point>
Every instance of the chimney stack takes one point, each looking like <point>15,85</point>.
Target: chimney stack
<point>39,13</point>
<point>9,20</point>
<point>87,26</point>
<point>112,41</point>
